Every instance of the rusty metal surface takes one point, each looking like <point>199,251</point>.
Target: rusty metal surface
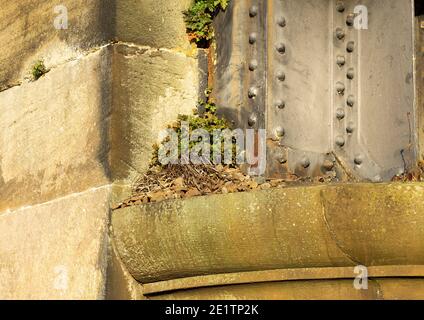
<point>419,49</point>
<point>325,91</point>
<point>240,71</point>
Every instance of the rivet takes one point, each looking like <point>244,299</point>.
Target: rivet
<point>340,6</point>
<point>350,46</point>
<point>281,76</point>
<point>351,101</point>
<point>253,11</point>
<point>279,132</point>
<point>253,37</point>
<point>350,74</point>
<point>359,159</point>
<point>340,114</point>
<point>401,172</point>
<point>340,141</point>
<point>281,48</point>
<point>305,162</point>
<point>253,92</point>
<point>341,61</point>
<point>280,104</point>
<point>350,20</point>
<point>252,120</point>
<point>377,178</point>
<point>328,165</point>
<point>340,34</point>
<point>340,88</point>
<point>281,22</point>
<point>283,160</point>
<point>253,65</point>
<point>350,127</point>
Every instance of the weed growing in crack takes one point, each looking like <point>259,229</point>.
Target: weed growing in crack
<point>38,70</point>
<point>199,20</point>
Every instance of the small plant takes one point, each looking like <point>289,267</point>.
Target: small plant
<point>207,120</point>
<point>38,70</point>
<point>199,19</point>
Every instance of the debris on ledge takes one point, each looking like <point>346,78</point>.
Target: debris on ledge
<point>187,181</point>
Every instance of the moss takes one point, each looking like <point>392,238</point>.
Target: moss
<point>199,19</point>
<point>38,70</point>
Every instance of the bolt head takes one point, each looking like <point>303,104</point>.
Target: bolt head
<point>359,159</point>
<point>328,165</point>
<point>281,76</point>
<point>252,120</point>
<point>350,128</point>
<point>340,141</point>
<point>253,92</point>
<point>350,20</point>
<point>281,21</point>
<point>253,37</point>
<point>377,178</point>
<point>280,104</point>
<point>283,159</point>
<point>340,6</point>
<point>340,88</point>
<point>253,65</point>
<point>350,47</point>
<point>281,48</point>
<point>340,113</point>
<point>350,101</point>
<point>305,162</point>
<point>280,132</point>
<point>341,61</point>
<point>253,11</point>
<point>350,74</point>
<point>340,34</point>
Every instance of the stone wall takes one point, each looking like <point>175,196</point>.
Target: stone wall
<point>118,74</point>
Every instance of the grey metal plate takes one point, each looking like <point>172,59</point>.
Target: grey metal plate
<point>362,112</point>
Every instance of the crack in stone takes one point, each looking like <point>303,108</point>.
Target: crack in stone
<point>333,234</point>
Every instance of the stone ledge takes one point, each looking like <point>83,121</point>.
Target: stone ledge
<point>300,274</point>
<point>378,289</point>
<point>303,227</point>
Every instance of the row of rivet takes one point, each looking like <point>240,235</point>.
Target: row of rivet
<point>253,65</point>
<point>280,104</point>
<point>350,74</point>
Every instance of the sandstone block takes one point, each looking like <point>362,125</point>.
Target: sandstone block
<point>54,133</point>
<point>57,250</point>
<point>28,33</point>
<point>150,88</point>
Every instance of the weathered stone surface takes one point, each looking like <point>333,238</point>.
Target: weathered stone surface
<point>390,289</point>
<point>298,274</point>
<point>54,133</point>
<point>27,27</point>
<point>57,250</point>
<point>377,224</point>
<point>226,233</point>
<point>154,23</point>
<point>151,87</point>
<point>304,227</point>
<point>120,284</point>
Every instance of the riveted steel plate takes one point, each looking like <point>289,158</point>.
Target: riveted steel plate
<point>331,81</point>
